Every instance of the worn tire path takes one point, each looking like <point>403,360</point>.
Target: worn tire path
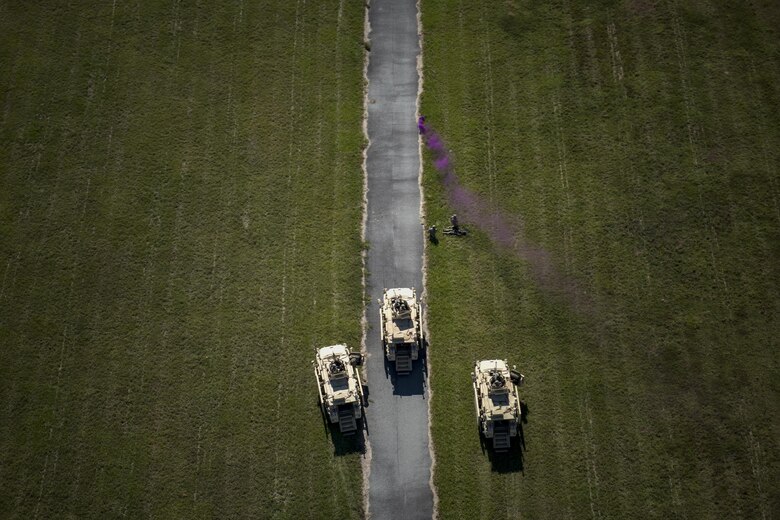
<point>397,415</point>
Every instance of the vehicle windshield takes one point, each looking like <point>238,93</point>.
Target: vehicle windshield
<point>404,323</point>
<point>339,383</point>
<point>500,399</point>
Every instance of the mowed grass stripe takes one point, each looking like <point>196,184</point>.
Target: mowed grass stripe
<point>635,142</point>
<point>180,222</point>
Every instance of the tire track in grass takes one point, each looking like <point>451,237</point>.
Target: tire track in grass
<point>672,471</point>
<point>697,139</point>
<point>337,469</point>
<point>586,431</point>
<point>339,164</point>
<point>558,441</point>
<point>643,290</point>
<point>280,495</point>
<point>69,319</point>
<point>673,475</point>
<point>140,343</point>
<point>45,237</point>
<point>635,441</point>
<point>562,446</point>
<point>756,452</point>
<point>315,337</point>
<point>172,410</point>
<point>227,191</point>
<point>765,146</point>
<point>592,58</point>
<point>14,260</point>
<point>615,58</point>
<point>758,466</point>
<point>490,145</point>
<point>636,423</point>
<point>176,29</point>
<point>57,406</point>
<point>695,132</point>
<point>489,114</point>
<point>563,170</point>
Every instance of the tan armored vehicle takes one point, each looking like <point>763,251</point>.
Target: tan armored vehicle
<point>399,315</point>
<point>497,402</point>
<point>339,386</point>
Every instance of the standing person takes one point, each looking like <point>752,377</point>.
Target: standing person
<point>421,124</point>
<point>432,234</point>
<point>454,222</point>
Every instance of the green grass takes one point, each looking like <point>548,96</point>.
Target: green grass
<point>637,143</point>
<point>180,190</point>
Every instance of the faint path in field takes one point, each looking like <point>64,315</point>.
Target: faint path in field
<point>589,449</point>
<point>695,138</point>
<point>399,476</point>
<point>51,459</point>
<point>279,494</point>
<point>698,144</point>
<point>490,145</point>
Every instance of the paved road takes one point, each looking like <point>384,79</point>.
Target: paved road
<point>397,415</point>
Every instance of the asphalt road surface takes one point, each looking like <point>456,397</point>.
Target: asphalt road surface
<point>397,412</point>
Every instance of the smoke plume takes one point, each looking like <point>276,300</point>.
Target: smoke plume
<point>503,230</point>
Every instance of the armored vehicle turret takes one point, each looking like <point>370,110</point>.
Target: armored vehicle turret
<point>497,402</point>
<point>339,386</point>
<point>399,315</point>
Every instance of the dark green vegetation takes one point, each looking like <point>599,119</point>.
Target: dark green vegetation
<point>636,142</point>
<point>180,192</point>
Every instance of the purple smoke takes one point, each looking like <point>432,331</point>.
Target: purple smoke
<point>468,204</point>
<point>421,124</point>
<point>502,229</point>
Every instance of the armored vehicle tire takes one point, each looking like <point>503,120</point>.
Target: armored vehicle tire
<point>356,359</point>
<point>515,376</point>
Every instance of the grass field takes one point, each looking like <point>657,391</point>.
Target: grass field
<point>635,145</point>
<point>180,190</point>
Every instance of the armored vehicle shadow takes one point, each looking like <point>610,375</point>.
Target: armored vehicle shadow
<point>348,444</point>
<point>409,383</point>
<point>345,444</point>
<point>507,460</point>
